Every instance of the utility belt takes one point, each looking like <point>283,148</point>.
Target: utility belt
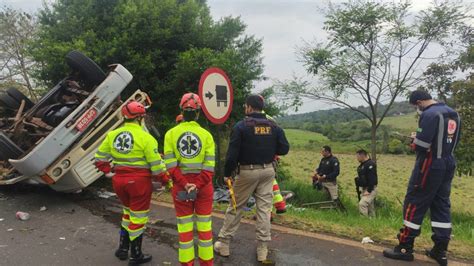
<point>256,166</point>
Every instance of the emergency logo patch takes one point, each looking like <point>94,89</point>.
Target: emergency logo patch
<point>189,145</point>
<point>370,167</point>
<point>452,126</point>
<point>123,143</point>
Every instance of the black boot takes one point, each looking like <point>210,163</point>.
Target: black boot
<point>438,253</point>
<point>122,252</point>
<point>138,257</point>
<point>400,252</point>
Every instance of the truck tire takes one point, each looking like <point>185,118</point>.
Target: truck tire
<point>9,102</point>
<point>92,74</point>
<point>18,96</point>
<point>8,149</point>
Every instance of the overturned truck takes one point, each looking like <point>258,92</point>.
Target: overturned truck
<point>54,141</point>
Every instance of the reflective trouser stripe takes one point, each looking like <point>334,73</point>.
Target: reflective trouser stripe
<point>186,244</point>
<point>277,197</point>
<point>186,251</point>
<point>411,225</point>
<point>441,225</point>
<point>139,217</point>
<point>205,250</point>
<point>136,223</point>
<point>204,228</point>
<point>125,218</point>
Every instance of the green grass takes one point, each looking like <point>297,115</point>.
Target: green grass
<point>394,172</point>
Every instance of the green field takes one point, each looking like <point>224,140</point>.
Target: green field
<point>393,171</point>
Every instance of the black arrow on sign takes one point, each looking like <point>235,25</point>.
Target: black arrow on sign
<point>209,95</point>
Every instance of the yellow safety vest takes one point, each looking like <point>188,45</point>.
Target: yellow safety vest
<point>131,146</point>
<point>189,147</point>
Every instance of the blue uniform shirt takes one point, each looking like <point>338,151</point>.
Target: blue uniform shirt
<point>438,132</point>
<point>255,140</point>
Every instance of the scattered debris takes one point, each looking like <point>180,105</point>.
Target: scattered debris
<point>78,191</point>
<point>155,221</point>
<point>105,194</point>
<point>9,229</point>
<point>62,238</point>
<point>43,208</point>
<point>2,219</point>
<point>4,246</point>
<point>367,240</point>
<point>71,211</point>
<point>23,216</point>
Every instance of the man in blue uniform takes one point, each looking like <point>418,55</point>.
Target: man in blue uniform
<point>430,183</point>
<point>326,174</point>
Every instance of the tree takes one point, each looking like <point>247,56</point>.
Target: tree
<point>463,94</point>
<point>372,55</point>
<point>17,29</point>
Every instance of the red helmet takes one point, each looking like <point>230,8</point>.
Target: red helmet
<point>133,109</point>
<point>179,119</point>
<point>190,101</point>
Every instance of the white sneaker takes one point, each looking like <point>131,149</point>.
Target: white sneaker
<point>222,249</point>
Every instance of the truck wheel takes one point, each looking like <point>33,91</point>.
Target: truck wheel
<point>9,102</point>
<point>88,69</point>
<point>18,96</point>
<point>8,149</point>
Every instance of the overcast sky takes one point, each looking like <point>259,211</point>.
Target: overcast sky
<point>282,24</point>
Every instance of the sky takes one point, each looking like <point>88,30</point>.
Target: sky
<point>283,25</point>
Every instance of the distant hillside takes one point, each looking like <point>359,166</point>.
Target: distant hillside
<point>338,115</point>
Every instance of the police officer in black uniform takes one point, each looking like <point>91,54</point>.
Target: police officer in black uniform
<point>366,180</point>
<point>327,172</point>
<point>430,183</point>
<point>254,143</point>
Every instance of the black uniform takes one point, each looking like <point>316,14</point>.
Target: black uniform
<point>367,175</point>
<point>328,166</point>
<point>255,141</point>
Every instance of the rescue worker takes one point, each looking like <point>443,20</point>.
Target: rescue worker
<point>367,180</point>
<point>135,158</point>
<point>254,142</point>
<point>327,172</point>
<point>430,183</point>
<point>190,159</point>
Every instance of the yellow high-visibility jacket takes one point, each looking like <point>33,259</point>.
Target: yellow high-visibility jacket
<point>189,150</point>
<point>132,150</point>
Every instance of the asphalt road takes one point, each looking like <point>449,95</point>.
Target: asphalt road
<point>82,229</point>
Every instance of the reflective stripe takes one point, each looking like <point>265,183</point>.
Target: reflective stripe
<point>191,171</point>
<point>440,135</point>
<point>139,214</point>
<point>210,158</point>
<point>169,156</point>
<point>102,160</point>
<point>132,165</point>
<point>136,233</point>
<point>205,243</point>
<point>441,225</point>
<point>191,165</point>
<point>208,168</point>
<point>171,165</point>
<point>276,192</point>
<point>457,136</point>
<point>125,223</point>
<point>422,143</point>
<point>103,154</point>
<point>203,219</point>
<point>156,163</point>
<point>130,159</point>
<point>185,219</point>
<point>187,245</point>
<point>157,172</point>
<point>411,225</point>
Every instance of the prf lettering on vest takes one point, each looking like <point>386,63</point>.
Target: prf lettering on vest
<point>263,130</point>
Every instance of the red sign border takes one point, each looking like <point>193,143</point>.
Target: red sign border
<point>81,129</point>
<point>204,76</point>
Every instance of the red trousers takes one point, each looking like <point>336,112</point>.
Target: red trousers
<point>188,212</point>
<point>135,194</point>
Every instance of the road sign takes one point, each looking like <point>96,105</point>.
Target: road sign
<point>217,96</point>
